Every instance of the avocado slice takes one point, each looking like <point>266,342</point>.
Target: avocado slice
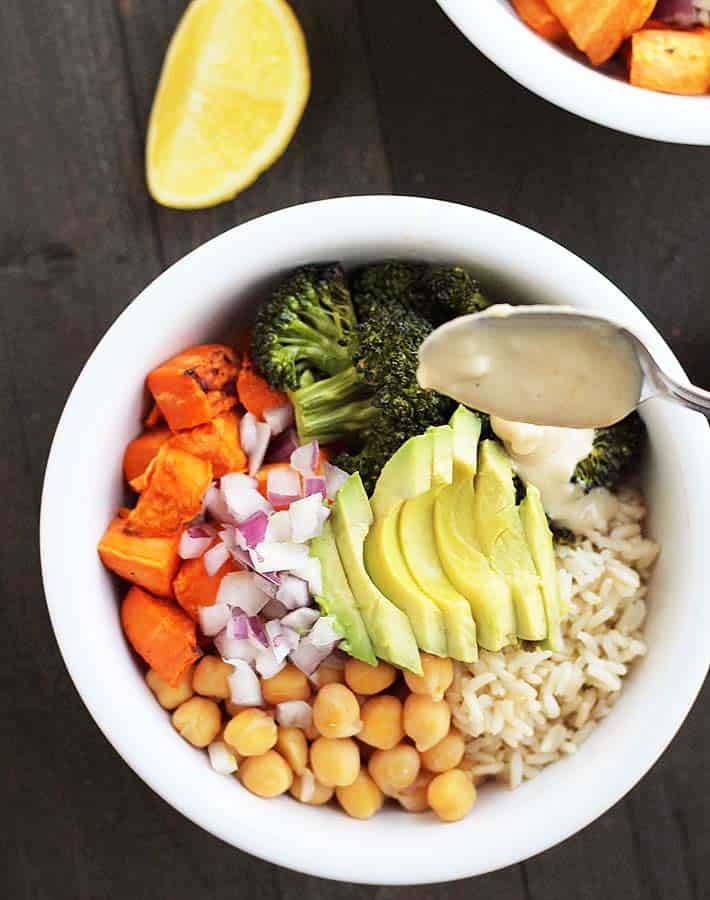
<point>500,536</point>
<point>467,568</point>
<point>406,474</point>
<point>388,627</point>
<point>337,599</point>
<point>442,470</point>
<point>539,538</point>
<point>418,543</point>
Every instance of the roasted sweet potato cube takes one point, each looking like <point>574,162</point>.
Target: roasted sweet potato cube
<point>175,485</point>
<point>254,392</point>
<point>141,451</point>
<point>194,588</point>
<point>216,441</point>
<point>150,562</point>
<point>161,633</point>
<point>196,385</point>
<point>676,62</point>
<point>600,27</point>
<point>536,15</point>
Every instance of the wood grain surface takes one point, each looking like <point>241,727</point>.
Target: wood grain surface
<point>401,103</point>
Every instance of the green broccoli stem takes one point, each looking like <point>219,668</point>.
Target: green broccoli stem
<point>322,351</point>
<point>334,409</point>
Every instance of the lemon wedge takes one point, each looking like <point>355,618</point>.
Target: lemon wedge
<point>234,85</point>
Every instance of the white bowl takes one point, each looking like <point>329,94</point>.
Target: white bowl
<point>196,300</point>
<point>495,28</point>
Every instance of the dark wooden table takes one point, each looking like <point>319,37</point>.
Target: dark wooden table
<point>401,103</point>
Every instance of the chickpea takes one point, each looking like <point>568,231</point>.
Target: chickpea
<point>267,775</point>
<point>394,770</point>
<point>445,755</point>
<point>414,798</point>
<point>426,721</point>
<point>251,732</point>
<point>168,696</point>
<point>382,722</point>
<point>210,678</point>
<point>451,795</point>
<point>198,720</point>
<point>292,745</point>
<point>336,712</point>
<point>335,761</point>
<point>327,675</point>
<point>288,684</point>
<point>361,799</point>
<point>436,679</point>
<point>306,789</point>
<point>365,679</point>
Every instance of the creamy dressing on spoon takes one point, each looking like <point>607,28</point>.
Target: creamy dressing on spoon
<point>566,374</point>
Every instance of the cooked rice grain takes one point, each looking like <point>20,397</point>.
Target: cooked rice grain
<point>524,709</point>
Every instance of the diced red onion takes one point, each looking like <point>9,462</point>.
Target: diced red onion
<point>233,648</point>
<point>222,760</point>
<point>239,589</point>
<point>278,556</point>
<point>215,558</point>
<point>306,518</point>
<point>294,714</point>
<point>244,686</point>
<point>678,12</point>
<point>304,459</point>
<point>335,478</point>
<point>242,497</point>
<point>216,505</point>
<point>257,635</point>
<point>194,542</point>
<point>278,418</point>
<point>279,527</point>
<point>301,620</point>
<point>213,618</point>
<point>268,585</point>
<point>283,486</point>
<point>277,641</point>
<point>247,432</point>
<point>336,660</point>
<point>253,529</point>
<point>256,457</point>
<point>323,634</point>
<point>291,636</point>
<point>282,447</point>
<point>310,572</point>
<point>238,626</point>
<point>266,663</point>
<point>314,484</point>
<point>274,609</point>
<point>293,592</point>
<point>307,657</point>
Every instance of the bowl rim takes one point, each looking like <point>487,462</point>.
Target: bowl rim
<point>551,73</point>
<point>252,836</point>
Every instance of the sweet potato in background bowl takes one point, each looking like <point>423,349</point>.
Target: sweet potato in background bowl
<point>565,77</point>
<point>200,299</point>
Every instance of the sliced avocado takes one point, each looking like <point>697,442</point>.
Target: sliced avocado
<point>542,550</point>
<point>466,427</point>
<point>501,538</point>
<point>406,474</point>
<point>337,599</point>
<point>442,470</point>
<point>388,627</point>
<point>469,571</point>
<point>418,545</point>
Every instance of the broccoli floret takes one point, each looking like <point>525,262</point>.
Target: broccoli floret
<point>303,331</point>
<point>615,452</point>
<point>334,409</point>
<point>382,283</point>
<point>448,292</point>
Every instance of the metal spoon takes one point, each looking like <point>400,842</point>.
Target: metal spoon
<point>504,337</point>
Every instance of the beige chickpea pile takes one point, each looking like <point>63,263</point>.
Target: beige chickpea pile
<point>374,735</point>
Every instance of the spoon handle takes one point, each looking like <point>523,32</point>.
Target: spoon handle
<point>689,395</point>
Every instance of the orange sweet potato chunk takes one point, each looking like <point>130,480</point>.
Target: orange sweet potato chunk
<point>150,562</point>
<point>196,385</point>
<point>600,27</point>
<point>141,451</point>
<point>254,392</point>
<point>536,15</point>
<point>676,62</point>
<point>216,441</point>
<point>161,633</point>
<point>194,588</point>
<point>175,484</point>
